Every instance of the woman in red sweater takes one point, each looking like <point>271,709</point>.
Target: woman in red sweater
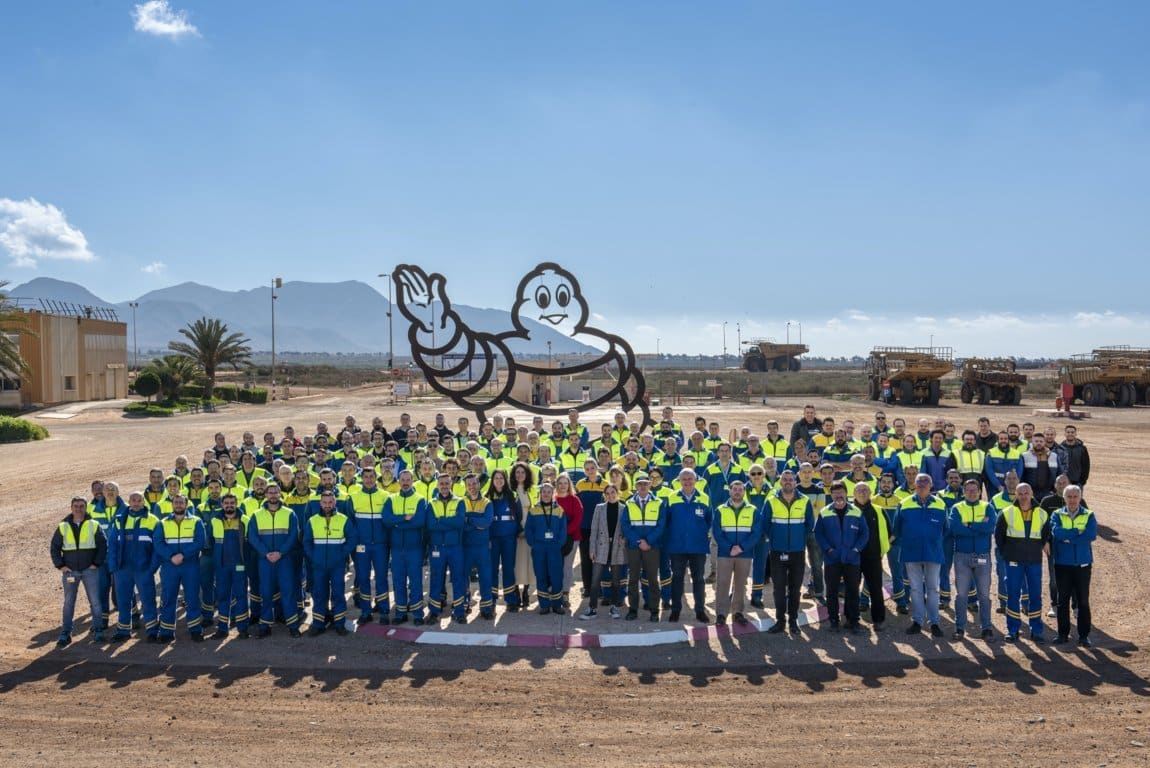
<point>573,510</point>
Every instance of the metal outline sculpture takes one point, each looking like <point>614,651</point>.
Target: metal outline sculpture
<point>415,288</point>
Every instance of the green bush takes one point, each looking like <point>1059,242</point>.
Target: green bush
<point>147,383</point>
<point>254,395</point>
<point>20,430</point>
<point>227,392</point>
<point>191,390</point>
<point>148,409</point>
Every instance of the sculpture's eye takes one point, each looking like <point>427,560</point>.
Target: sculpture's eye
<point>563,295</point>
<point>542,296</point>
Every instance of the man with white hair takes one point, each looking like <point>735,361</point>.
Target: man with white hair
<point>919,526</point>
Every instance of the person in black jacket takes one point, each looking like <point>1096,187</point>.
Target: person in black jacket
<point>872,554</point>
<point>806,427</point>
<point>1077,458</point>
<point>1022,536</point>
<point>1052,503</point>
<point>78,550</point>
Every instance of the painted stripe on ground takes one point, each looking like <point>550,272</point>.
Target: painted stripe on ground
<point>583,639</point>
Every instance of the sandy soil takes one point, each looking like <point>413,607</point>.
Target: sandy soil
<point>755,700</point>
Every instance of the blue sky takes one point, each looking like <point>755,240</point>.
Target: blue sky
<point>878,174</point>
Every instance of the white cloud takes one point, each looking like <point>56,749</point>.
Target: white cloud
<point>155,268</point>
<point>31,230</point>
<point>156,17</point>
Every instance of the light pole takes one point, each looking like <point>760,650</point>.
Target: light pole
<point>932,342</point>
<point>788,331</point>
<point>390,342</point>
<point>548,354</point>
<point>135,344</point>
<point>739,338</point>
<point>658,355</point>
<point>277,282</point>
<point>800,325</point>
<point>724,344</point>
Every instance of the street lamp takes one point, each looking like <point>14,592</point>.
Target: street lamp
<point>135,345</point>
<point>658,355</point>
<point>724,344</point>
<point>277,282</point>
<point>788,331</point>
<point>390,342</point>
<point>548,354</point>
<point>739,338</point>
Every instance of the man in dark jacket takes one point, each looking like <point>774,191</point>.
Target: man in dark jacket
<point>877,545</point>
<point>1022,535</point>
<point>806,427</point>
<point>78,550</point>
<point>1077,457</point>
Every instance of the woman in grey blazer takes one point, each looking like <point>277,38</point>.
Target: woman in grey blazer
<point>608,550</point>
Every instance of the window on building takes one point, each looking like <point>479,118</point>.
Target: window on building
<point>69,383</point>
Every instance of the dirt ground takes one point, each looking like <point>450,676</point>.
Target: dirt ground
<point>756,700</point>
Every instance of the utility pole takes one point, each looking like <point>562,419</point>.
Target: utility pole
<point>390,340</point>
<point>135,343</point>
<point>277,282</point>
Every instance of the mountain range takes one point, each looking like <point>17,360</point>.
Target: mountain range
<point>348,317</point>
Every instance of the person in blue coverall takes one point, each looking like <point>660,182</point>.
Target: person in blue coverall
<point>132,555</point>
<point>329,538</point>
<point>179,539</point>
<point>274,535</point>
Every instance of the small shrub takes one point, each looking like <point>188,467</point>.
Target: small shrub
<point>147,383</point>
<point>14,430</point>
<point>227,392</point>
<point>191,390</point>
<point>254,395</point>
<point>148,409</point>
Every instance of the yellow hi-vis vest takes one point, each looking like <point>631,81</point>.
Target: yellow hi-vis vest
<point>87,540</point>
<point>1016,526</point>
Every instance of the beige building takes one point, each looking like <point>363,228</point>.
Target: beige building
<point>71,359</point>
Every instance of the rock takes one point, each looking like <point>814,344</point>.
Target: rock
<point>1036,719</point>
<point>631,695</point>
<point>716,729</point>
<point>1137,744</point>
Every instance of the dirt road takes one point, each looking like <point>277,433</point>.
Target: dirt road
<point>824,699</point>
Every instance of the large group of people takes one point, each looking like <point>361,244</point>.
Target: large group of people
<point>255,533</point>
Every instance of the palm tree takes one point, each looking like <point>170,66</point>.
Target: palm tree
<point>11,320</point>
<point>211,347</point>
<point>173,371</point>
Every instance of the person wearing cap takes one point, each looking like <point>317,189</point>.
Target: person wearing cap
<point>643,526</point>
<point>842,533</point>
<point>737,527</point>
<point>231,569</point>
<point>78,550</point>
<point>329,538</point>
<point>971,524</point>
<point>179,540</point>
<point>919,526</point>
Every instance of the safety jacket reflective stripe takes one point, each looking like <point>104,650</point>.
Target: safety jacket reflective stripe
<point>644,514</point>
<point>87,540</point>
<point>1016,526</point>
<point>970,462</point>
